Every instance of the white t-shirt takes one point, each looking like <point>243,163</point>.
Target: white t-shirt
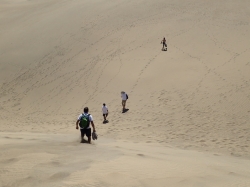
<point>90,118</point>
<point>104,109</point>
<point>124,96</point>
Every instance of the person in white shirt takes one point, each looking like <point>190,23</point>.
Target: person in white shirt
<point>124,99</point>
<point>84,120</point>
<point>105,112</point>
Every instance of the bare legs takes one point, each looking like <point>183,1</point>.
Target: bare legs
<point>123,104</point>
<point>105,116</point>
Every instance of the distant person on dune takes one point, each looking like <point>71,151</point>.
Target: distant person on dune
<point>124,97</point>
<point>83,122</point>
<point>163,42</point>
<point>105,112</point>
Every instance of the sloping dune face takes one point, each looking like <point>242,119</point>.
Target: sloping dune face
<point>36,159</point>
<point>60,56</point>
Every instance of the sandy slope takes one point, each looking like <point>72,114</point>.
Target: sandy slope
<point>58,56</point>
<point>31,159</point>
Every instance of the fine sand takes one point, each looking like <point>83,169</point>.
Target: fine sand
<point>188,122</point>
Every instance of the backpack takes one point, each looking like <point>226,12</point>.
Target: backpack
<point>84,121</point>
<point>127,96</point>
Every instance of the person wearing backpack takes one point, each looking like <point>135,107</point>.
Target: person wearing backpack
<point>84,120</point>
<point>124,97</point>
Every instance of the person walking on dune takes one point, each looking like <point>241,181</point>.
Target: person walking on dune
<point>83,122</point>
<point>105,112</point>
<point>124,97</point>
<point>163,42</point>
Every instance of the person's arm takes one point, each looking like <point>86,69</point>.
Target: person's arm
<point>77,123</point>
<point>93,125</point>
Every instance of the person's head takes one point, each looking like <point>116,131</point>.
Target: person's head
<point>122,92</point>
<point>104,104</point>
<point>86,110</point>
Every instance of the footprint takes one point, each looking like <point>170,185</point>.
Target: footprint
<point>141,155</point>
<point>10,160</point>
<point>59,175</point>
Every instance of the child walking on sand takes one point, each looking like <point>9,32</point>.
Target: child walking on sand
<point>105,112</point>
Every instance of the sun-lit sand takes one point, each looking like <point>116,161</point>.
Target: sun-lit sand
<point>188,122</point>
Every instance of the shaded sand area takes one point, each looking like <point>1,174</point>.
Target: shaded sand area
<point>188,122</point>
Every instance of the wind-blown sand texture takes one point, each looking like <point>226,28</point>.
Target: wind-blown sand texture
<point>188,122</point>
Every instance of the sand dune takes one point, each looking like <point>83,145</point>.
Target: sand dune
<point>59,160</point>
<point>186,105</point>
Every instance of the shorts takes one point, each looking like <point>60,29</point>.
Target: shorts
<point>86,131</point>
<point>124,102</point>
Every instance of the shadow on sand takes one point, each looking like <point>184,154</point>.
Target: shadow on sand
<point>105,121</point>
<point>125,110</point>
<point>84,141</point>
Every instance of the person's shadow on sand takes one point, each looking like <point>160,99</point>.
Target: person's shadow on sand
<point>105,121</point>
<point>125,110</point>
<point>84,141</point>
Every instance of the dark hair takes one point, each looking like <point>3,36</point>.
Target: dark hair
<point>104,104</point>
<point>86,110</point>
